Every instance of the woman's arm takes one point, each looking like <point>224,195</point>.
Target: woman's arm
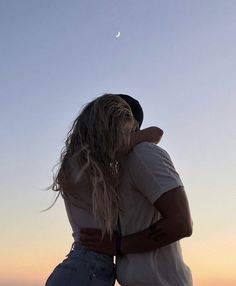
<point>150,134</point>
<point>175,224</point>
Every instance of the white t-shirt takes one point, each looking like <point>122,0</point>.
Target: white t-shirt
<point>148,173</point>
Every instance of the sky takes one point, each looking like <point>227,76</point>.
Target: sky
<point>176,57</point>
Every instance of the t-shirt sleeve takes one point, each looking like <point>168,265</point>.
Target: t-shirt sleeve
<point>152,171</point>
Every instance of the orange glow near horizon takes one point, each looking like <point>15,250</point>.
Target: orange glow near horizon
<point>32,269</point>
<point>210,257</point>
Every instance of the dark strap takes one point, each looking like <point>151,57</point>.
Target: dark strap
<point>119,227</point>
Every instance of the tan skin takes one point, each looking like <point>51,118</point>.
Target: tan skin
<point>175,224</point>
<point>151,134</point>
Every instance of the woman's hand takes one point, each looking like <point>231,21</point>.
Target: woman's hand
<point>150,134</point>
<point>92,239</point>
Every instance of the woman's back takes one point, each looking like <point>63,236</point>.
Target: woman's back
<point>78,204</point>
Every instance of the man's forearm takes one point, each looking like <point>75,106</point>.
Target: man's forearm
<point>175,224</point>
<point>162,233</point>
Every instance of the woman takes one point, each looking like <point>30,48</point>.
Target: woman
<point>88,176</point>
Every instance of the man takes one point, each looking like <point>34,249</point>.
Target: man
<point>154,216</point>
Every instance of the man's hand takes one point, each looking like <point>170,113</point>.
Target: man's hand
<point>92,239</point>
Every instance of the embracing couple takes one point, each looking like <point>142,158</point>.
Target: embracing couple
<point>123,198</point>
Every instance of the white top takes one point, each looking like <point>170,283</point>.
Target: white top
<point>79,218</point>
<point>148,173</point>
<point>78,203</point>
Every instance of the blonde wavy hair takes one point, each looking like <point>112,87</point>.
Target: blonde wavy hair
<point>94,150</point>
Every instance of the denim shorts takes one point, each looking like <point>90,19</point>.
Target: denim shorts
<point>83,268</point>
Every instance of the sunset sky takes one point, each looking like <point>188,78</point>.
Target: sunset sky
<point>176,57</point>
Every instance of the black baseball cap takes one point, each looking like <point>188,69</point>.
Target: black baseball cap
<point>135,107</point>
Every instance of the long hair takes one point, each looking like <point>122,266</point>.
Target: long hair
<point>94,150</point>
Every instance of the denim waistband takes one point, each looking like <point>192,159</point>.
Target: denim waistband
<point>77,250</point>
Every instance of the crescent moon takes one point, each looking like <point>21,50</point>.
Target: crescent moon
<point>118,35</point>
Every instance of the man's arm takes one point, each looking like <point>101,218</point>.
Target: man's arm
<point>175,224</point>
